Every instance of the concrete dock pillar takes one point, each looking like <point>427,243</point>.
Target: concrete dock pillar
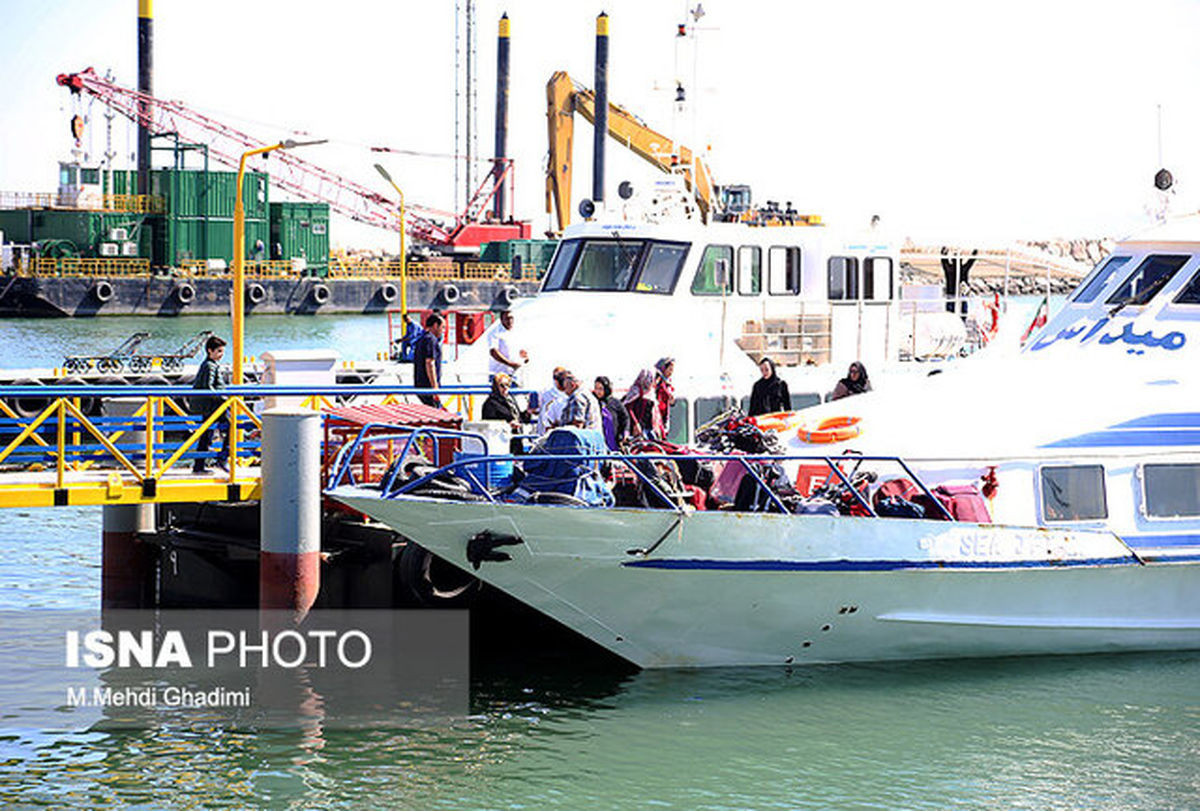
<point>289,564</point>
<point>127,564</point>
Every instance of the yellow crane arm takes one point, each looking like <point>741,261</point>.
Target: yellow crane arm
<point>564,99</point>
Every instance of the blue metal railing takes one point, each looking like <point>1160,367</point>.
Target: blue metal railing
<point>343,472</point>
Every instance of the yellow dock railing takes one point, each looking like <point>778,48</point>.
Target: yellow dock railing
<point>131,203</point>
<point>132,459</point>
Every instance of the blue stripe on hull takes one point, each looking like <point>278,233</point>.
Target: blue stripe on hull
<point>695,564</point>
<point>1129,438</point>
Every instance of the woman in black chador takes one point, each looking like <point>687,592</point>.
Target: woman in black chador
<point>770,393</point>
<point>855,382</point>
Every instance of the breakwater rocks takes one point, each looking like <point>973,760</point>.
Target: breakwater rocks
<point>1022,268</point>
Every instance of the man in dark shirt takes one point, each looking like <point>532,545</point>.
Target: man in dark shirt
<point>208,377</point>
<point>427,359</point>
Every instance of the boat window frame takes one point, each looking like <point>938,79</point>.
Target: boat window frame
<point>1156,287</point>
<point>851,287</point>
<point>1193,287</point>
<point>575,244</point>
<point>651,244</point>
<point>1094,278</point>
<point>868,272</point>
<point>789,250</point>
<point>724,290</point>
<point>756,250</point>
<point>1144,506</point>
<point>1042,492</point>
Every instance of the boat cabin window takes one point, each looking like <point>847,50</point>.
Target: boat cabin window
<point>877,278</point>
<point>749,270</point>
<point>606,265</point>
<point>1074,493</point>
<point>1100,277</point>
<point>714,277</point>
<point>661,268</point>
<point>1171,491</point>
<point>843,278</point>
<point>564,259</point>
<point>1191,293</point>
<point>783,271</point>
<point>616,265</point>
<point>1149,277</point>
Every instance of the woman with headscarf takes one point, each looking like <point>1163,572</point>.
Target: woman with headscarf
<point>770,392</point>
<point>641,401</point>
<point>664,392</point>
<point>855,382</point>
<point>500,405</point>
<point>616,427</point>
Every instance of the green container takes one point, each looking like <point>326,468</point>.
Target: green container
<point>534,254</point>
<point>196,193</point>
<point>300,230</point>
<point>87,231</point>
<point>17,225</point>
<point>120,181</point>
<point>185,238</point>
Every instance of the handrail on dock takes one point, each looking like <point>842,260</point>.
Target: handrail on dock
<point>61,448</point>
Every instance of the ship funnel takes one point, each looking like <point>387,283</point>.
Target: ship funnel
<point>501,113</point>
<point>601,123</point>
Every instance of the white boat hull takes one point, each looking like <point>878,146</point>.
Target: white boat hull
<point>766,589</point>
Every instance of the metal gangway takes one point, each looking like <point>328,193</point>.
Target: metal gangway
<point>115,444</point>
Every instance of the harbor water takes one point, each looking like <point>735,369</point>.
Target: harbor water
<point>1091,732</point>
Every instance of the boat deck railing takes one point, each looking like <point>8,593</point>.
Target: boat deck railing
<point>407,439</point>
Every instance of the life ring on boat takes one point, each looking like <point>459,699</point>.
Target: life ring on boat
<point>775,421</point>
<point>831,429</point>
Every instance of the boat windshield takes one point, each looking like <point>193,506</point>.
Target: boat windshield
<point>644,266</point>
<point>1149,277</point>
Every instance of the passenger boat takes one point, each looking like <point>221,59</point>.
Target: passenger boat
<point>628,287</point>
<point>1079,457</point>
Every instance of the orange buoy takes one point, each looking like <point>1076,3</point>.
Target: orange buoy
<point>831,429</point>
<point>775,421</point>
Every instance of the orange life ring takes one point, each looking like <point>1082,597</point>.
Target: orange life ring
<point>775,421</point>
<point>831,429</point>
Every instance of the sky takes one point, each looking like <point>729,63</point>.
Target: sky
<point>952,121</point>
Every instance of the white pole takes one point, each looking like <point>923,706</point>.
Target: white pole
<point>290,511</point>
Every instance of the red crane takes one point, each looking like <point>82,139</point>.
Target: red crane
<point>303,178</point>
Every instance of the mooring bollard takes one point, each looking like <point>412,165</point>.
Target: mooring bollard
<point>289,565</point>
<point>127,564</point>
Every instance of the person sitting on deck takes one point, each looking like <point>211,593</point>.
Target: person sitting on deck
<point>501,406</point>
<point>770,392</point>
<point>855,382</point>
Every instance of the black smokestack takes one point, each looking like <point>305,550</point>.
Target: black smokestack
<point>146,86</point>
<point>601,107</point>
<point>501,111</point>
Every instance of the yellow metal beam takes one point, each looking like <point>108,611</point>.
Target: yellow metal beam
<point>93,493</point>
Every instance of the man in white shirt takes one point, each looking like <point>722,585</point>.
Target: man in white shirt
<point>504,356</point>
<point>550,402</point>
